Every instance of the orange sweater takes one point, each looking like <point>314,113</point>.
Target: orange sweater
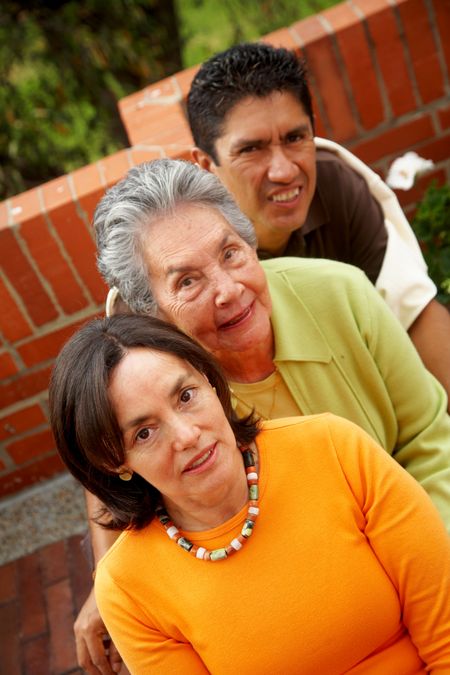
<point>347,571</point>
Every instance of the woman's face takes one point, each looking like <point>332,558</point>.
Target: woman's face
<point>208,281</point>
<point>175,433</point>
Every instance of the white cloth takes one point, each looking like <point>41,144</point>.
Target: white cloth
<point>403,281</point>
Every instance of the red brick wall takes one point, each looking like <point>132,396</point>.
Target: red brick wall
<point>380,78</point>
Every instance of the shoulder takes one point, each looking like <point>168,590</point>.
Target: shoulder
<point>312,271</point>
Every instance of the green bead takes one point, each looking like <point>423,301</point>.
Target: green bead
<point>247,528</point>
<point>253,492</point>
<point>218,554</point>
<point>185,543</point>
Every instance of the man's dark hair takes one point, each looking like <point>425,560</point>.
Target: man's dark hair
<point>253,69</point>
<point>84,424</point>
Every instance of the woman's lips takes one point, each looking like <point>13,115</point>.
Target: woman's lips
<point>201,461</point>
<point>237,320</point>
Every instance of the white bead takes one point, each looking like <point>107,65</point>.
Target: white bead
<point>252,475</point>
<point>172,531</point>
<point>200,552</point>
<point>254,510</point>
<point>236,544</point>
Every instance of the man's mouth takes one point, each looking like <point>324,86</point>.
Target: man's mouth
<point>236,320</point>
<point>287,196</point>
<point>200,460</point>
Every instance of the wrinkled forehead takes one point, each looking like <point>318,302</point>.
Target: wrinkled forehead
<point>188,236</point>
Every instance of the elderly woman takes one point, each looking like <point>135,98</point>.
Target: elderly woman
<point>293,336</point>
<point>352,555</point>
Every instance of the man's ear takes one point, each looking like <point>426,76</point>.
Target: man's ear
<point>203,160</point>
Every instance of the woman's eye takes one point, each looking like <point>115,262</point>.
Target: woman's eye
<point>186,395</point>
<point>186,282</point>
<point>143,434</point>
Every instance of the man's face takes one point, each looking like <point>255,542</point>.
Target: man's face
<point>267,160</point>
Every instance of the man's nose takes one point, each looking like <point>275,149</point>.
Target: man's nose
<point>281,169</point>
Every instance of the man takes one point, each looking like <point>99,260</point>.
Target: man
<point>251,117</point>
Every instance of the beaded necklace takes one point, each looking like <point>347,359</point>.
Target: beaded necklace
<point>250,462</point>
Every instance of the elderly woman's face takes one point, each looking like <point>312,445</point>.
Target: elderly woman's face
<point>208,281</point>
<point>174,430</point>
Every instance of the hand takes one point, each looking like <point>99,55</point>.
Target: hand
<point>95,651</point>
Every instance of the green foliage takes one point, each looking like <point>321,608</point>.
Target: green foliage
<point>63,65</point>
<point>432,226</point>
<point>209,26</point>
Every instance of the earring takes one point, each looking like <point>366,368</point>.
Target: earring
<point>214,390</point>
<point>126,475</point>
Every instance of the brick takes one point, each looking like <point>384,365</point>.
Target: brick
<point>184,79</point>
<point>7,365</point>
<point>24,279</point>
<point>53,562</point>
<point>396,140</point>
<point>139,154</point>
<point>416,193</point>
<point>444,117</point>
<point>357,58</point>
<point>45,251</point>
<point>80,247</point>
<point>280,38</point>
<point>442,24</point>
<point>80,570</point>
<point>61,618</point>
<point>423,49</point>
<point>33,619</point>
<point>8,582</point>
<point>39,470</point>
<point>9,640</point>
<point>138,109</point>
<point>13,324</point>
<point>23,386</point>
<point>389,52</point>
<point>25,206</point>
<point>22,420</point>
<point>34,445</point>
<point>47,346</point>
<point>324,68</point>
<point>4,216</point>
<point>115,167</point>
<point>437,150</point>
<point>36,656</point>
<point>89,188</point>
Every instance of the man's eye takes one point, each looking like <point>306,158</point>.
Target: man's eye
<point>247,149</point>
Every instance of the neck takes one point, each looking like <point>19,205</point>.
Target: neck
<point>274,242</point>
<point>250,365</point>
<point>208,512</point>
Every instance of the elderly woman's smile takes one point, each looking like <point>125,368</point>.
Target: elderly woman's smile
<point>208,281</point>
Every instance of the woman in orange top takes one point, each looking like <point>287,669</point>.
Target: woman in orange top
<point>295,546</point>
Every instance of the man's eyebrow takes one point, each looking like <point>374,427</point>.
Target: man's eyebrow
<point>258,142</point>
<point>182,269</point>
<point>140,419</point>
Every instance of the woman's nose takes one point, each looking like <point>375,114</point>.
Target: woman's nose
<point>281,168</point>
<point>185,433</point>
<point>227,289</point>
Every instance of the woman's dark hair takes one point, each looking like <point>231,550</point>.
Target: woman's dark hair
<point>84,424</point>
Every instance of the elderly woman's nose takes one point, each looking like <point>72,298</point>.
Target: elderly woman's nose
<point>226,289</point>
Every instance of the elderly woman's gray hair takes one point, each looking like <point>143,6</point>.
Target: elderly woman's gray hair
<point>149,192</point>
